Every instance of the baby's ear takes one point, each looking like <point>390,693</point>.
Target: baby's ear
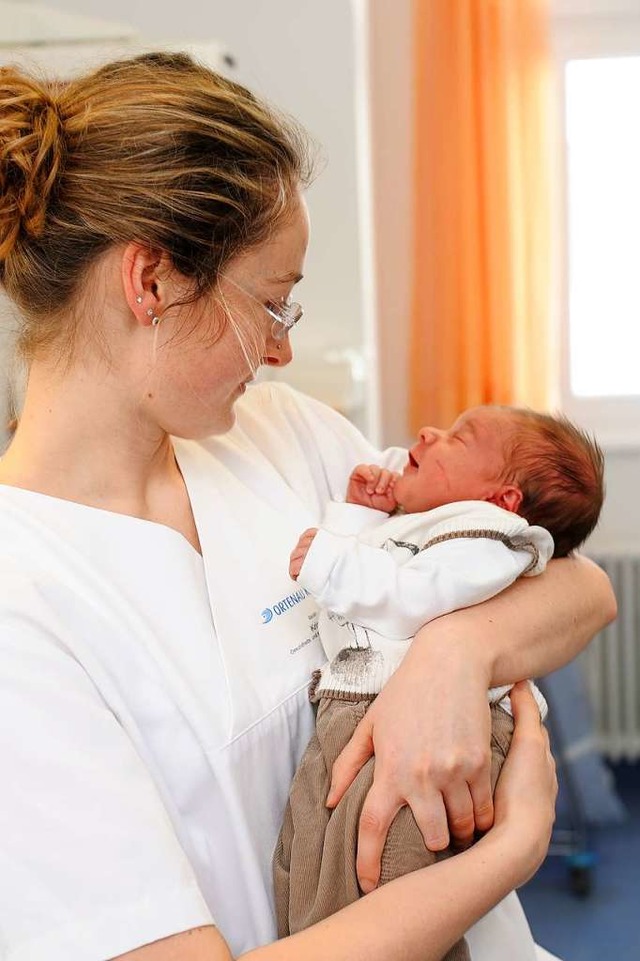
<point>508,497</point>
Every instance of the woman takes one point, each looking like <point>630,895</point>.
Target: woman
<point>155,655</point>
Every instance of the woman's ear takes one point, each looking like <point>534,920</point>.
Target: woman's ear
<point>508,497</point>
<point>146,279</point>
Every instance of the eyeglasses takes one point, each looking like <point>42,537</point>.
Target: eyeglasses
<point>284,315</point>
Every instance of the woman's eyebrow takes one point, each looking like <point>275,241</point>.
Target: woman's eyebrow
<point>291,278</point>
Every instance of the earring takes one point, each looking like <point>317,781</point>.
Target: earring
<point>155,321</point>
<point>150,312</point>
<point>138,299</point>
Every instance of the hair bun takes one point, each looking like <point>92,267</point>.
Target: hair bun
<point>31,155</point>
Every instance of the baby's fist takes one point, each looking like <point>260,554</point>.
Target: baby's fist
<point>372,486</point>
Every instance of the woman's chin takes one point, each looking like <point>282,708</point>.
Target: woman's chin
<point>225,422</point>
<point>213,426</point>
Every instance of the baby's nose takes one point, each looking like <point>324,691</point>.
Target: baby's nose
<point>429,434</point>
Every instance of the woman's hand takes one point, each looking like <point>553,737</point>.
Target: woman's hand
<point>527,787</point>
<point>430,731</point>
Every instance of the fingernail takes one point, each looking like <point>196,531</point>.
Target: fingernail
<point>366,886</point>
<point>330,799</point>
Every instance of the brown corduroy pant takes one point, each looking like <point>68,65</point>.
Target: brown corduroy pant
<point>314,865</point>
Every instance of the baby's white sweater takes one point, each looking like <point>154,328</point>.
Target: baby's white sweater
<point>379,578</point>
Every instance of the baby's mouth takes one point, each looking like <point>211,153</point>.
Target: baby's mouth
<point>412,461</point>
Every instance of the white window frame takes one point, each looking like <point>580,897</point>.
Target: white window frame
<point>590,34</point>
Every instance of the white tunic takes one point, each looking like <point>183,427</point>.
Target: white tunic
<point>153,703</point>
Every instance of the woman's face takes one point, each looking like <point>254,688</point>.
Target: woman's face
<point>206,357</point>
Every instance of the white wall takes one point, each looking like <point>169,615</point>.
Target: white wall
<point>391,86</point>
<point>564,8</point>
<point>619,528</point>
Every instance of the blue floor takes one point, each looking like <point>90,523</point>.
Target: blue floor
<point>605,924</point>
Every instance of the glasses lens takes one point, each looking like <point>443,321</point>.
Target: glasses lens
<point>279,330</point>
<point>288,315</point>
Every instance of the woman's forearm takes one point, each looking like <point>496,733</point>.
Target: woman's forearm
<point>426,912</point>
<point>534,627</point>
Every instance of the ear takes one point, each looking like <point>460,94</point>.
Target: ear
<point>146,282</point>
<point>508,497</point>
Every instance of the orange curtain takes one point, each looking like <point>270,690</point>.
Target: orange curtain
<point>483,162</point>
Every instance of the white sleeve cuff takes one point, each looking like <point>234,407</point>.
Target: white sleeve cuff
<point>342,518</point>
<point>541,539</point>
<point>326,548</point>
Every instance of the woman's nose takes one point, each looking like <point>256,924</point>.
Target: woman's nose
<point>278,353</point>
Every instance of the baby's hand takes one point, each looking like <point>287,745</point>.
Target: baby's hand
<point>372,486</point>
<point>300,551</point>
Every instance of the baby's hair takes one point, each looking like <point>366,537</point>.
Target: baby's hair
<point>156,149</point>
<point>560,470</point>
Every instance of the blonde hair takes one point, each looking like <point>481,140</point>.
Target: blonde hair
<point>157,149</point>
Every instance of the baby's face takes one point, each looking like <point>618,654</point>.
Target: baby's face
<point>466,462</point>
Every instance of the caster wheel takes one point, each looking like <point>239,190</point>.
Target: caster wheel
<point>580,881</point>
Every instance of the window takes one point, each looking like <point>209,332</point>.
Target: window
<point>599,85</point>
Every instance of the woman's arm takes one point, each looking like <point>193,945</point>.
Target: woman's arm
<point>429,728</point>
<point>539,624</point>
<point>418,917</point>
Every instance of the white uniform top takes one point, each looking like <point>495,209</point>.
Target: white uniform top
<point>378,579</point>
<point>153,703</point>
